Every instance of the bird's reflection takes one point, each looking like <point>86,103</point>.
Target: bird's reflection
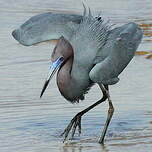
<point>78,147</point>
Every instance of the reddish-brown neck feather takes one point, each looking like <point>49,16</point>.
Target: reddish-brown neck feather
<point>64,79</point>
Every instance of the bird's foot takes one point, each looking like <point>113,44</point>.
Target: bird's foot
<point>75,122</point>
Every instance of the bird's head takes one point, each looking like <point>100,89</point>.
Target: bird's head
<point>61,53</point>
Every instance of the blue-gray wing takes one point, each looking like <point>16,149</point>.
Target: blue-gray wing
<point>46,26</point>
<point>116,54</point>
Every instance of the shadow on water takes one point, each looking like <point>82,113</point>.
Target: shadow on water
<point>80,148</point>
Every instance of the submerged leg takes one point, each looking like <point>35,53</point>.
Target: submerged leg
<point>110,114</point>
<point>76,121</point>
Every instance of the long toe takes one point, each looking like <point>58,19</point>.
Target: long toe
<point>75,122</point>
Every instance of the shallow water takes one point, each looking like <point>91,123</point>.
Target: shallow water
<point>30,124</point>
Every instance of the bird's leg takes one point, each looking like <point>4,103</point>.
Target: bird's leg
<point>110,114</point>
<point>76,121</point>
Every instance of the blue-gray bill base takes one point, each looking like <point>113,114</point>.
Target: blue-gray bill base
<point>88,52</point>
<point>53,68</point>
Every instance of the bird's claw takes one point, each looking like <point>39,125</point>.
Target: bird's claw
<point>75,122</point>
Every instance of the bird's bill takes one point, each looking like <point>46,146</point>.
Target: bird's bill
<point>52,70</point>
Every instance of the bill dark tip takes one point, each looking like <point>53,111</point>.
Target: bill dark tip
<point>44,87</point>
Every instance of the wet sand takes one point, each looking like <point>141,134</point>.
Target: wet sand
<point>30,124</point>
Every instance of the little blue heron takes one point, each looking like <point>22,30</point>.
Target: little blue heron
<point>88,52</point>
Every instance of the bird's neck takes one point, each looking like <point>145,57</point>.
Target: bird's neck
<point>71,87</point>
<point>64,79</point>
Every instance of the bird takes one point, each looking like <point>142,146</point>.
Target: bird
<point>93,53</point>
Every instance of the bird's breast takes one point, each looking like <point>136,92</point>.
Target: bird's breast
<point>72,84</point>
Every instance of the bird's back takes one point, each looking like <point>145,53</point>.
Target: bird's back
<point>90,36</point>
